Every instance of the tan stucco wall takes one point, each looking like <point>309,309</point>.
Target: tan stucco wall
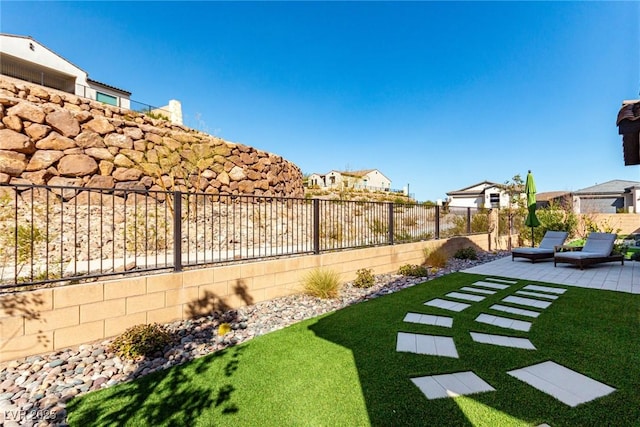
<point>45,320</point>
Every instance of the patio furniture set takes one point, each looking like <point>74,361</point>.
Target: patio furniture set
<point>598,248</point>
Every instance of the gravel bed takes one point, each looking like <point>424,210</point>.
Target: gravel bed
<point>34,390</point>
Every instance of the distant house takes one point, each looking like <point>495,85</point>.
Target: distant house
<point>23,58</point>
<point>609,197</point>
<point>485,194</point>
<point>369,179</point>
<point>556,198</point>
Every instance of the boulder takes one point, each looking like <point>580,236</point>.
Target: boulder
<point>55,141</point>
<point>126,174</point>
<point>14,141</point>
<point>63,122</point>
<point>42,159</point>
<point>99,125</point>
<point>76,165</point>
<point>37,131</point>
<point>12,163</point>
<point>27,111</point>
<point>90,139</point>
<point>118,140</point>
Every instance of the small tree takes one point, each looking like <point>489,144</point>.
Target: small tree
<point>516,209</point>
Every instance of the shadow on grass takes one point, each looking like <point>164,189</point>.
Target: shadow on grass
<point>178,397</point>
<point>565,333</point>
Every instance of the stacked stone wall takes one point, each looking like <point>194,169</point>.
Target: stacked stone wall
<point>55,138</point>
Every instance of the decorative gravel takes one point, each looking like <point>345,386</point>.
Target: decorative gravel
<point>34,390</point>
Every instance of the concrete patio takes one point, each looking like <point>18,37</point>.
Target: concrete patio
<point>609,276</point>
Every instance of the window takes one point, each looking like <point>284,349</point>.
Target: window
<point>494,199</point>
<point>107,99</point>
<point>332,179</point>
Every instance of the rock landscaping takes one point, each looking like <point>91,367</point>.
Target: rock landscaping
<point>35,390</point>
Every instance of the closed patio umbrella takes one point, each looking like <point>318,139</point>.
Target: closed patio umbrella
<point>530,191</point>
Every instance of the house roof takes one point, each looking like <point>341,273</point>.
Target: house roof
<point>550,195</point>
<point>17,36</point>
<point>615,186</point>
<point>109,86</point>
<point>630,110</point>
<point>472,190</point>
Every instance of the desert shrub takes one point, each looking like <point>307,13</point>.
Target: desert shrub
<point>147,231</point>
<point>364,278</point>
<point>322,283</point>
<point>378,227</point>
<point>413,270</point>
<point>466,253</point>
<point>141,340</point>
<point>437,258</point>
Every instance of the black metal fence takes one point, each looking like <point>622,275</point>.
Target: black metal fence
<point>56,234</point>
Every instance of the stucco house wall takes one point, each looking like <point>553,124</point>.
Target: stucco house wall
<point>24,58</point>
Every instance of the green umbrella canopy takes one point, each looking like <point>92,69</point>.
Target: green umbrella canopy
<point>530,191</point>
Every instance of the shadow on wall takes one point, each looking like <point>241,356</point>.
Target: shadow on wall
<point>451,246</point>
<point>210,302</point>
<point>24,308</point>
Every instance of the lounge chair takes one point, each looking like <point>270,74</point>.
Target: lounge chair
<point>546,249</point>
<point>597,249</point>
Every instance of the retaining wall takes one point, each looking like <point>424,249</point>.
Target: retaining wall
<point>45,320</point>
<point>56,138</point>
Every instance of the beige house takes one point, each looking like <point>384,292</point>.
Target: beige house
<point>369,179</point>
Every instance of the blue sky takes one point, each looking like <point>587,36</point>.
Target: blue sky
<point>435,95</point>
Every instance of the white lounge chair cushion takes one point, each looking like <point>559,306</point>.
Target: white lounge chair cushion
<point>552,239</point>
<point>579,255</point>
<point>599,244</point>
<point>533,251</point>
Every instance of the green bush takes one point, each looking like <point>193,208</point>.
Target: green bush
<point>141,340</point>
<point>466,253</point>
<point>552,218</point>
<point>322,283</point>
<point>364,278</point>
<point>413,270</point>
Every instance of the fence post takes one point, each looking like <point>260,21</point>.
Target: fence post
<point>437,232</point>
<point>468,221</point>
<point>177,231</point>
<point>391,223</point>
<point>316,226</point>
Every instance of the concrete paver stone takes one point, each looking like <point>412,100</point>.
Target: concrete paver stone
<point>432,345</point>
<point>490,285</point>
<point>451,385</point>
<point>504,322</point>
<point>477,290</point>
<point>466,297</point>
<point>447,305</point>
<point>527,302</point>
<point>429,319</point>
<point>537,295</point>
<point>545,289</point>
<point>513,310</point>
<point>495,279</point>
<point>568,386</point>
<point>502,341</point>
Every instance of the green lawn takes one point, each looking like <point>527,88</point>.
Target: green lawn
<point>341,369</point>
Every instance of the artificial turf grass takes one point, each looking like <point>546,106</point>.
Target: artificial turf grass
<point>342,369</point>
